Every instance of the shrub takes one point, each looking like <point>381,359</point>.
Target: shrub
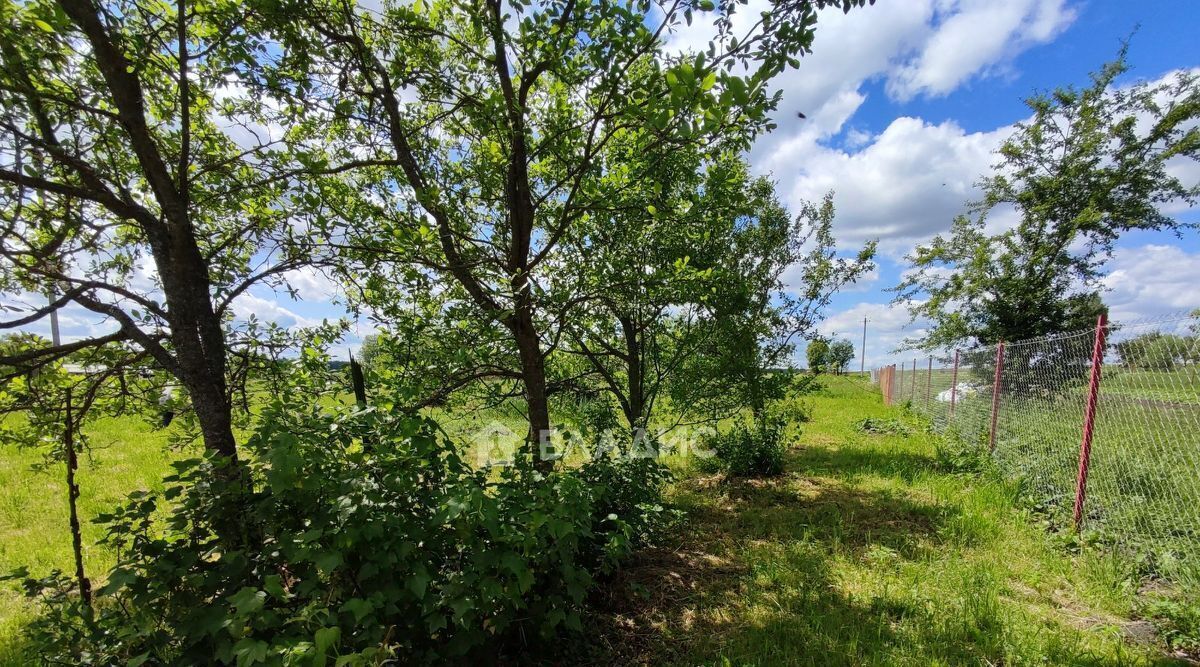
<point>368,538</point>
<point>954,456</point>
<point>751,451</point>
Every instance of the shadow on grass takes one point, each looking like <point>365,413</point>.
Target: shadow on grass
<point>852,461</point>
<point>753,579</point>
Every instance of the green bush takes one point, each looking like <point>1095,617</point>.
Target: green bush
<point>750,451</point>
<point>366,538</point>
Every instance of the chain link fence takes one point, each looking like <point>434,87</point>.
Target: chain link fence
<point>1110,449</point>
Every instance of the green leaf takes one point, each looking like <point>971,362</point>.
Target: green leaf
<point>326,638</point>
<point>250,651</point>
<point>273,584</point>
<point>328,561</point>
<point>418,582</point>
<point>45,27</point>
<point>359,607</point>
<point>248,600</point>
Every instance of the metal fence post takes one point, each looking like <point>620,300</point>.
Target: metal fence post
<point>912,391</point>
<point>996,396</point>
<point>929,385</point>
<point>1089,419</point>
<point>900,382</point>
<point>954,385</point>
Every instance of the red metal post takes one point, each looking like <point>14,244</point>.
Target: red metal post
<point>954,384</point>
<point>996,395</point>
<point>1089,418</point>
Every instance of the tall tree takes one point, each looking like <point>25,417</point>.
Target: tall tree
<point>1089,166</point>
<point>114,149</point>
<point>479,128</point>
<point>841,353</point>
<point>817,354</point>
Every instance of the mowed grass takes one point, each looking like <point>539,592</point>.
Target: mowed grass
<point>867,551</point>
<point>126,455</point>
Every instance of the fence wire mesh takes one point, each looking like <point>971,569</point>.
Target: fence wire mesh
<point>1025,404</point>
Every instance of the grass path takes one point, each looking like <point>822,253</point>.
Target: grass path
<point>867,552</point>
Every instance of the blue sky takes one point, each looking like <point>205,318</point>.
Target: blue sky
<point>905,103</point>
<point>919,95</point>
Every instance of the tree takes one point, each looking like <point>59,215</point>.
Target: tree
<point>818,355</point>
<point>1157,351</point>
<point>1089,166</point>
<point>756,317</point>
<point>476,131</point>
<point>372,350</point>
<point>113,153</point>
<point>840,354</point>
<point>654,262</point>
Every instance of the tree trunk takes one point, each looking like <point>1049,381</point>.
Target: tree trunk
<point>199,345</point>
<point>635,408</point>
<point>85,584</point>
<point>533,376</point>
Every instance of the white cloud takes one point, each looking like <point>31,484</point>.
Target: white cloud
<point>268,310</point>
<point>311,284</point>
<point>904,187</point>
<point>976,37</point>
<point>1151,281</point>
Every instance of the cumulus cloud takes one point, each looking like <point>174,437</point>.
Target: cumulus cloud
<point>887,327</point>
<point>976,37</point>
<point>919,47</point>
<point>905,186</point>
<point>311,284</point>
<point>1151,281</point>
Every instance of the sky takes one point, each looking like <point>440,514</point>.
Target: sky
<point>905,103</point>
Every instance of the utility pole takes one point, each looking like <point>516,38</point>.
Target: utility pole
<point>862,357</point>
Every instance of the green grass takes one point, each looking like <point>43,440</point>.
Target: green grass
<point>1177,386</point>
<point>1143,491</point>
<point>126,455</point>
<point>867,551</point>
